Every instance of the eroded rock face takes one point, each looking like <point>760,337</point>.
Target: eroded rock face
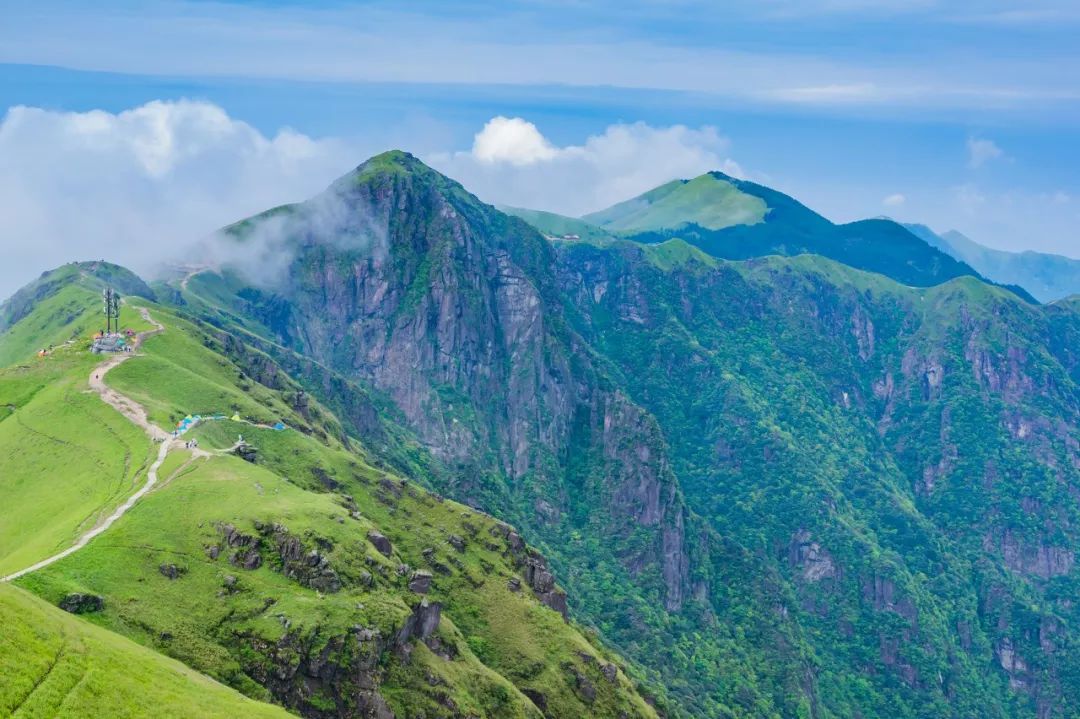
<point>309,568</point>
<point>816,563</point>
<point>882,594</point>
<point>304,673</point>
<point>452,314</point>
<point>643,488</point>
<point>862,327</point>
<point>584,686</point>
<point>1037,559</point>
<point>610,672</point>
<point>925,372</point>
<point>537,576</point>
<point>421,624</point>
<point>420,582</point>
<point>1013,664</point>
<point>542,582</point>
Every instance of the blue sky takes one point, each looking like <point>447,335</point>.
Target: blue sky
<point>962,115</point>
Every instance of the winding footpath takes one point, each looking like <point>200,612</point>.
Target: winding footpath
<point>136,414</point>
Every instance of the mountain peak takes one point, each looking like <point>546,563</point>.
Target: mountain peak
<point>392,163</point>
<point>719,175</point>
<point>92,275</point>
<point>711,201</point>
<point>398,169</point>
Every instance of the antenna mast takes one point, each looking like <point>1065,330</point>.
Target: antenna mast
<point>111,301</point>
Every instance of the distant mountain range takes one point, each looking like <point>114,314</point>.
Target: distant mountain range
<point>1047,277</point>
<point>735,219</point>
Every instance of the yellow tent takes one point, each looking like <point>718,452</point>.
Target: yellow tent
<point>235,418</point>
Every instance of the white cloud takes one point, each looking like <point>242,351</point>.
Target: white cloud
<point>143,185</point>
<point>139,186</point>
<point>894,200</point>
<point>981,151</point>
<point>512,163</point>
<point>513,140</point>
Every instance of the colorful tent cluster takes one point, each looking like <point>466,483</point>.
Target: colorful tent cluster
<point>187,423</point>
<point>191,420</point>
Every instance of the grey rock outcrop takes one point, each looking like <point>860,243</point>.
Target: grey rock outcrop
<point>78,603</point>
<point>420,582</point>
<point>380,543</point>
<point>171,571</point>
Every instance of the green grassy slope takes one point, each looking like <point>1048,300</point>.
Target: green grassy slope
<point>63,316</point>
<point>737,219</point>
<point>303,634</point>
<point>710,201</point>
<point>56,665</point>
<point>66,458</point>
<point>178,377</point>
<point>557,226</point>
<point>677,253</point>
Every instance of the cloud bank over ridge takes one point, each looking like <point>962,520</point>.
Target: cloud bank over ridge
<point>148,183</point>
<point>140,185</point>
<point>512,163</point>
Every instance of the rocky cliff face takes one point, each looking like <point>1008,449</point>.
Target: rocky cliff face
<point>450,309</point>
